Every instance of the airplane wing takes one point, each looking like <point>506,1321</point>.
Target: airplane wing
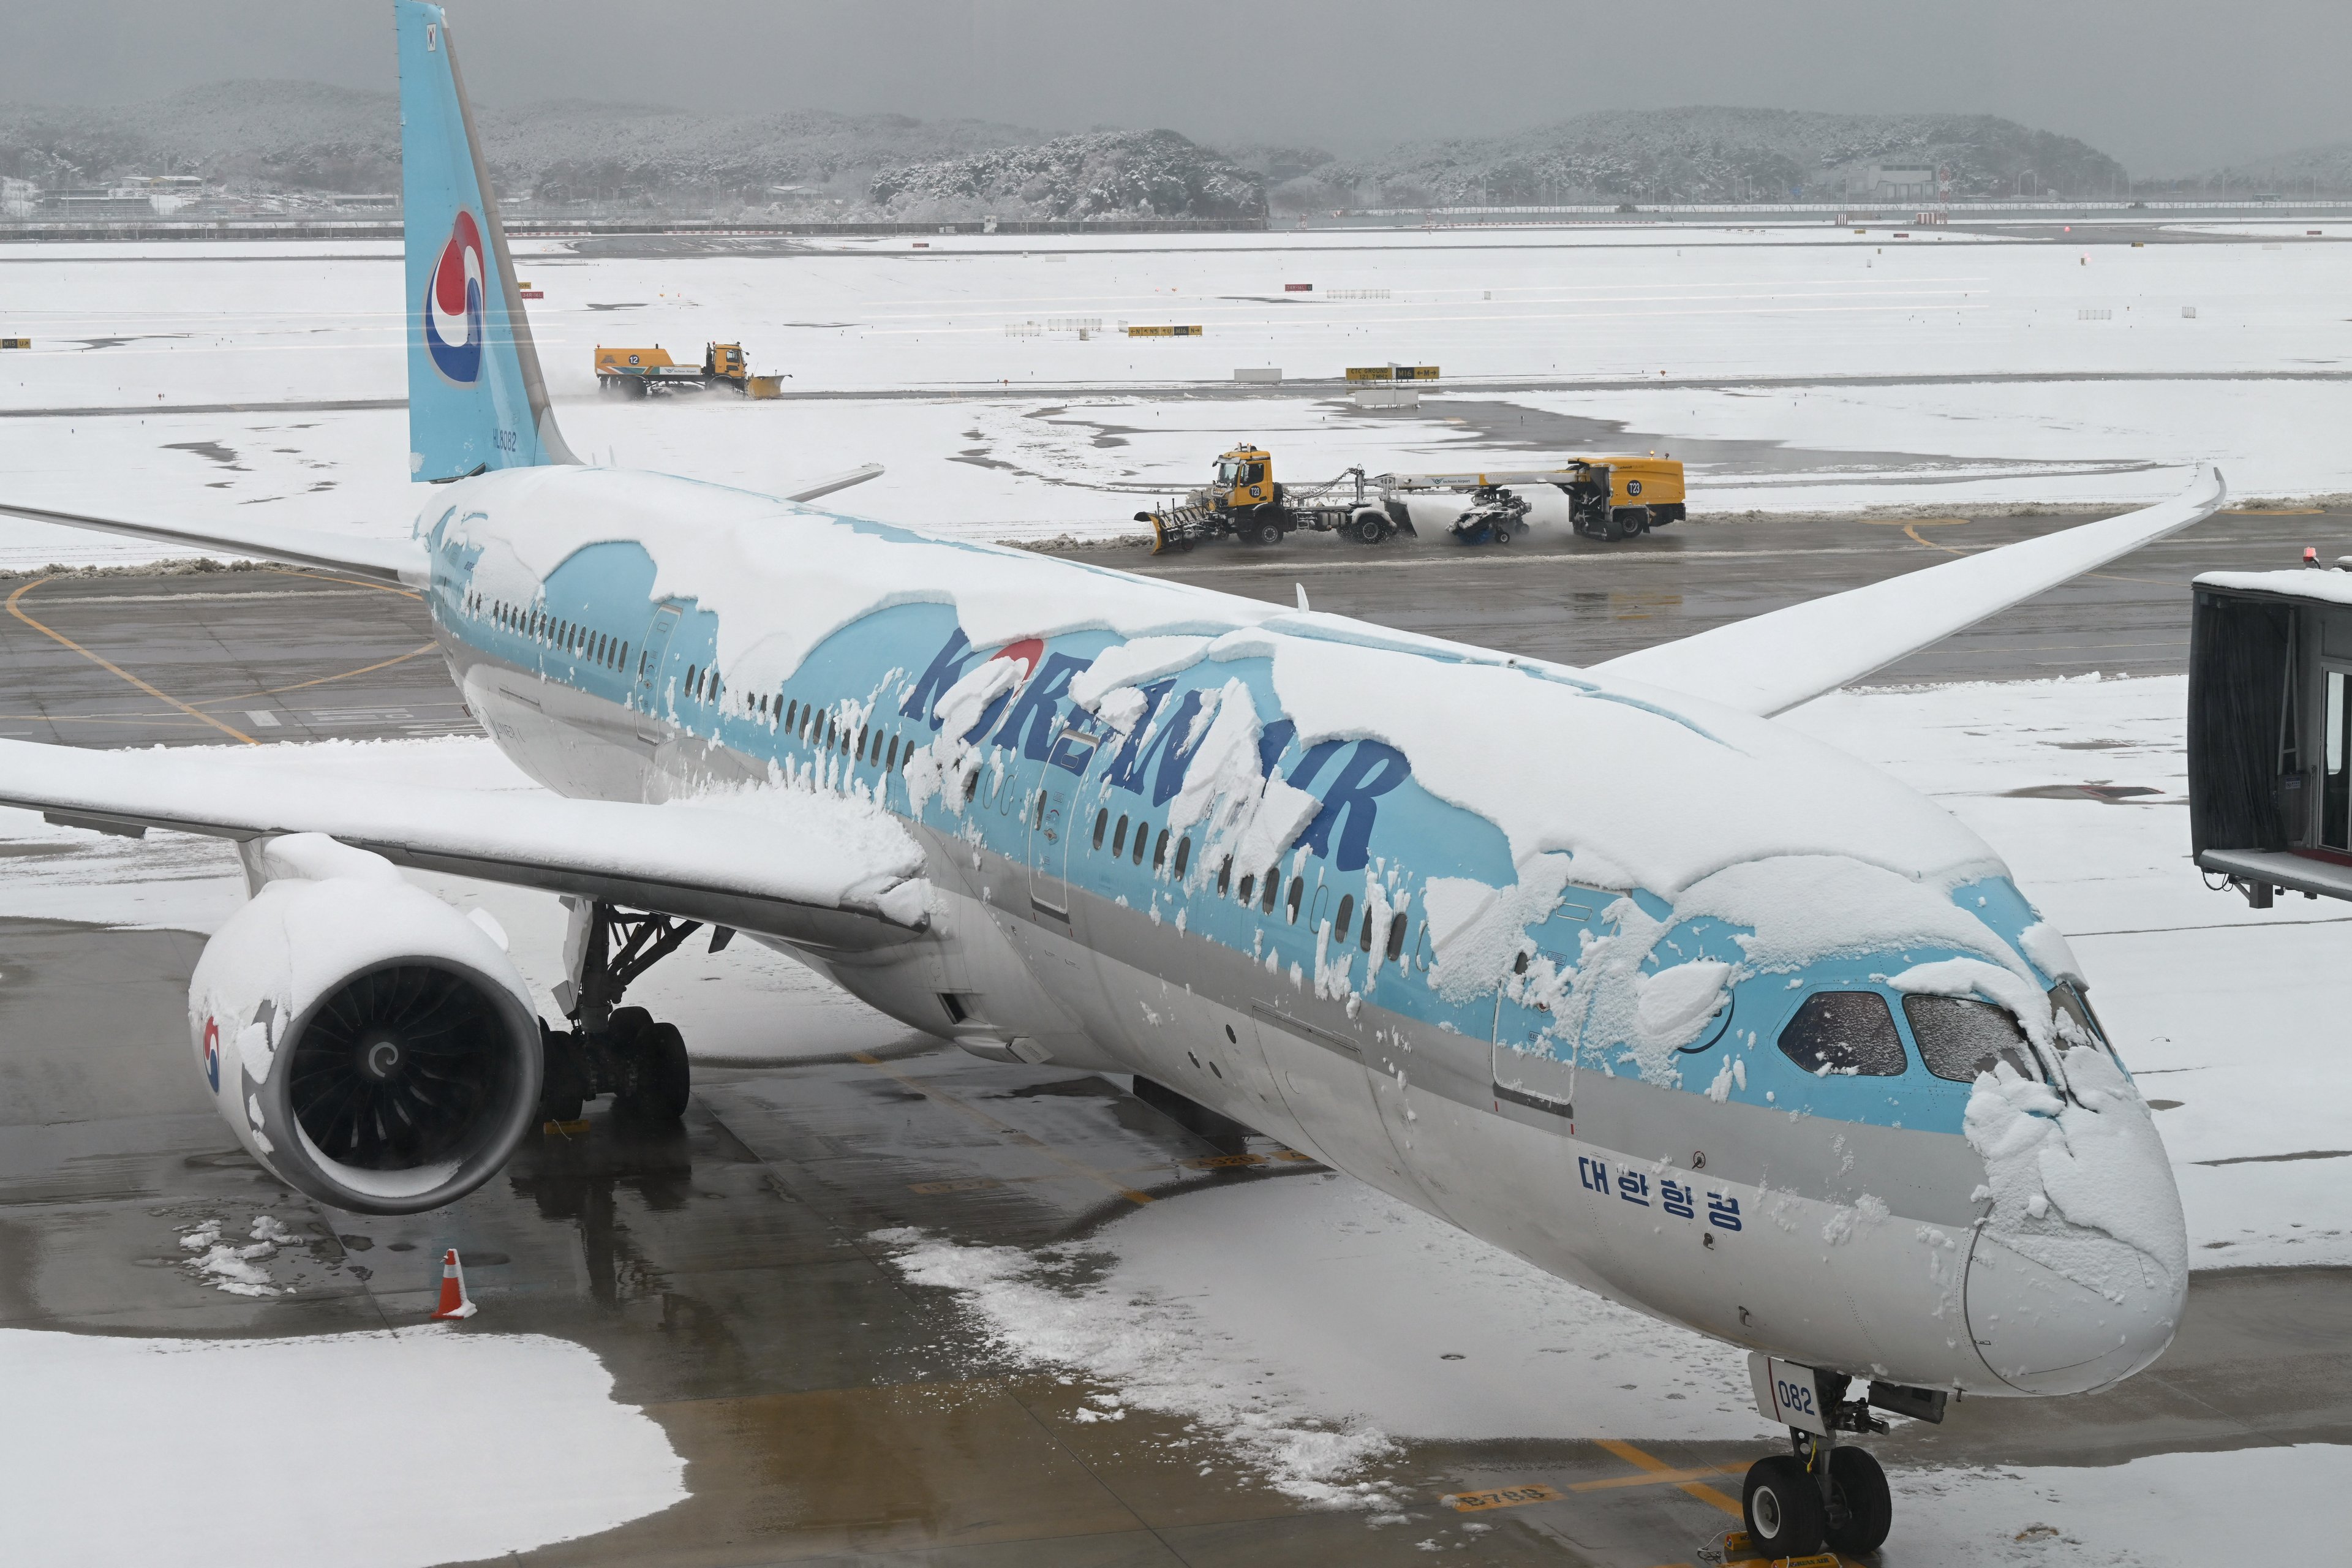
<point>400,561</point>
<point>1771,662</point>
<point>816,870</point>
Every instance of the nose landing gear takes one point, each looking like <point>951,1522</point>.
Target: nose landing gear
<point>1822,1494</point>
<point>611,1050</point>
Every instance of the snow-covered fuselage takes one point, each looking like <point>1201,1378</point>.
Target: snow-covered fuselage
<point>1515,943</point>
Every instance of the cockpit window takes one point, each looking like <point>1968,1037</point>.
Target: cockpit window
<point>1844,1034</point>
<point>2071,1005</point>
<point>1959,1037</point>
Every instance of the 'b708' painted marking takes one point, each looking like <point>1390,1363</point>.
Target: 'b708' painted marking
<point>1502,1497</point>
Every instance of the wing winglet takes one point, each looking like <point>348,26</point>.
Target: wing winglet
<point>1771,662</point>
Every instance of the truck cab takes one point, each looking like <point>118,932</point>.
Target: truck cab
<point>1245,479</point>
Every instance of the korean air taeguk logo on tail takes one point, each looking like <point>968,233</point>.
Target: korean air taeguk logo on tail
<point>453,303</point>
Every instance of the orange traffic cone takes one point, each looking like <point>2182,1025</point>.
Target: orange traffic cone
<point>455,1303</point>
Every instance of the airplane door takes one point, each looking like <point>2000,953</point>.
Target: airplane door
<point>1534,1072</point>
<point>650,660</point>
<point>1053,814</point>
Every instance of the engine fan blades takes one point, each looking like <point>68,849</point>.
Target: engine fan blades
<point>393,1069</point>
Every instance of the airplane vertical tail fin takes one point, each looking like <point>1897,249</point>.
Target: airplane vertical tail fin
<point>476,398</point>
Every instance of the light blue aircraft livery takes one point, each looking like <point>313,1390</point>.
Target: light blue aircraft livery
<point>1602,966</point>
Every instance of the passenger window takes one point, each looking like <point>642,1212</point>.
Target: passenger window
<point>1960,1038</point>
<point>1297,891</point>
<point>832,735</point>
<point>862,736</point>
<point>1249,886</point>
<point>1159,851</point>
<point>1118,840</point>
<point>1345,917</point>
<point>623,663</point>
<point>891,766</point>
<point>1225,877</point>
<point>1845,1034</point>
<point>1102,826</point>
<point>1396,936</point>
<point>1365,942</point>
<point>693,681</point>
<point>1037,814</point>
<point>1183,854</point>
<point>1273,892</point>
<point>1142,833</point>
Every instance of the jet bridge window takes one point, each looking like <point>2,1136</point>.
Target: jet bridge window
<point>1844,1034</point>
<point>1960,1037</point>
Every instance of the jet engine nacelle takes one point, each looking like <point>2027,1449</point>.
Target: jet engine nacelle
<point>367,1043</point>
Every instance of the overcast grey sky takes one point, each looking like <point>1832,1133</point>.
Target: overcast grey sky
<point>2165,85</point>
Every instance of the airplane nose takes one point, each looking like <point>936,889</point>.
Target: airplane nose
<point>2070,1317</point>
<point>2078,1273</point>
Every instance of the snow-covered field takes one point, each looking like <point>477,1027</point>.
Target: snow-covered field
<point>449,1446</point>
<point>2230,1028</point>
<point>1890,368</point>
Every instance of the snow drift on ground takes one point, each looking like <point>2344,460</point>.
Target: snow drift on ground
<point>394,1449</point>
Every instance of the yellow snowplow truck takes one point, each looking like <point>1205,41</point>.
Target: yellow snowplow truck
<point>1609,498</point>
<point>640,373</point>
<point>1243,500</point>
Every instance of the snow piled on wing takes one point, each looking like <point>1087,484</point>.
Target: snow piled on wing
<point>546,1454</point>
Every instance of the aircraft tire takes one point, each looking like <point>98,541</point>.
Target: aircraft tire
<point>1781,1506</point>
<point>1860,1485</point>
<point>663,1078</point>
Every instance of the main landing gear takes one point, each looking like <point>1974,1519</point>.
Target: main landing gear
<point>1822,1494</point>
<point>611,1050</point>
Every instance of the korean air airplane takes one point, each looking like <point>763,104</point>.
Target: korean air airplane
<point>1602,966</point>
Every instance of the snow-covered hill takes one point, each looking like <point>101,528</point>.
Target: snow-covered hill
<point>300,136</point>
<point>1689,155</point>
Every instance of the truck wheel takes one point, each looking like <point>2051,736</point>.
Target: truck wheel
<point>1262,532</point>
<point>1368,528</point>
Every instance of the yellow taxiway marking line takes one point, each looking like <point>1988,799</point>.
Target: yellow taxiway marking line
<point>1664,1472</point>
<point>17,610</point>
<point>330,680</point>
<point>930,1091</point>
<point>1911,530</point>
<point>1659,1478</point>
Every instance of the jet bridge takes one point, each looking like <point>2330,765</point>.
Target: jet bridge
<point>2270,731</point>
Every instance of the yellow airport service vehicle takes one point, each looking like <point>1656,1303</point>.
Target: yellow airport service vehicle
<point>1609,498</point>
<point>640,373</point>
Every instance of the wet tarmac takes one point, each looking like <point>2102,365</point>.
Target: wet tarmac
<point>831,1412</point>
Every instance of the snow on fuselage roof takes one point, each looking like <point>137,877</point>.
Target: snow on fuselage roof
<point>1646,788</point>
